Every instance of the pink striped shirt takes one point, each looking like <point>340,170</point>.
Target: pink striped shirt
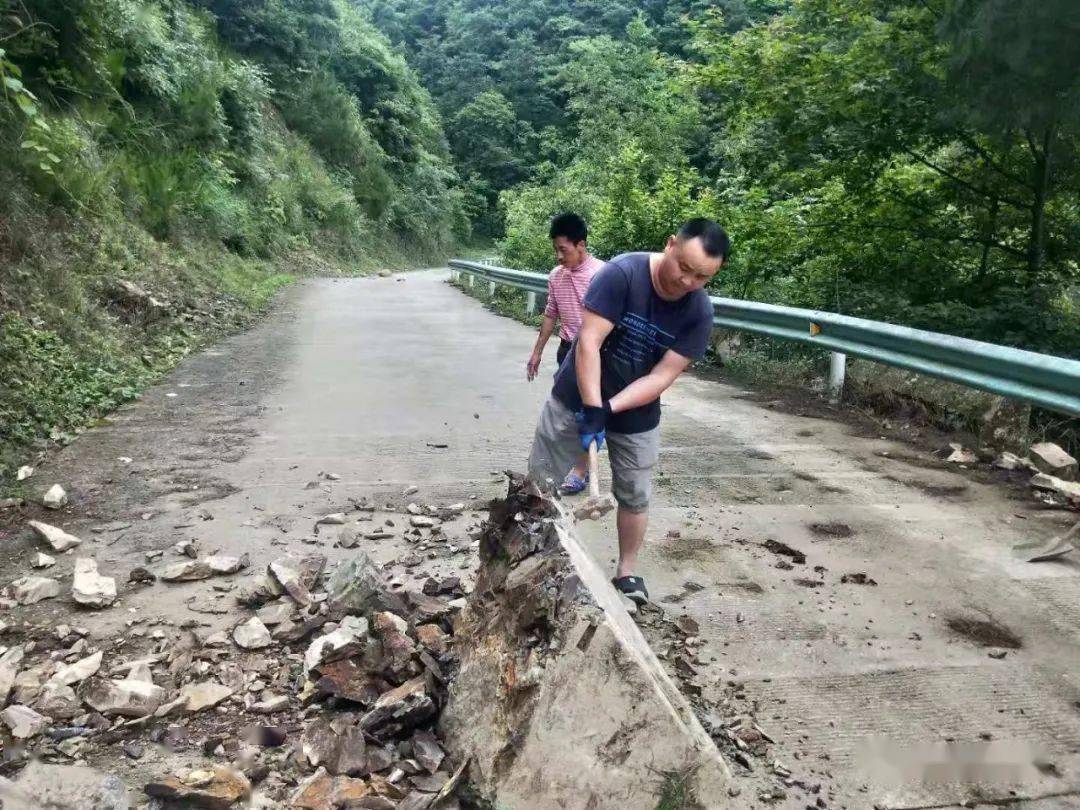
<point>566,290</point>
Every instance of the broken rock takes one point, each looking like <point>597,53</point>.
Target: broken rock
<point>62,786</point>
<point>958,454</point>
<point>271,705</point>
<point>221,564</point>
<point>90,588</point>
<point>23,722</point>
<point>29,590</point>
<point>298,577</point>
<point>1052,460</point>
<point>55,498</point>
<point>427,751</point>
<point>402,708</point>
<point>43,561</point>
<point>58,539</point>
<point>77,672</point>
<point>349,639</point>
<point>337,745</point>
<point>1011,461</point>
<point>1069,491</point>
<point>358,587</point>
<point>187,571</point>
<point>9,669</point>
<point>432,637</point>
<point>204,695</point>
<point>121,698</point>
<point>252,634</point>
<point>59,703</point>
<point>219,789</point>
<point>347,680</point>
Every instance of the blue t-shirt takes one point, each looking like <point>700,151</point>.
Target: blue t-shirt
<point>646,327</point>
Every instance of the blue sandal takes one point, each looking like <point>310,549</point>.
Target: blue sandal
<point>573,483</point>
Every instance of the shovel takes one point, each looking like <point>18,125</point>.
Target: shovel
<point>1059,546</point>
<point>596,506</point>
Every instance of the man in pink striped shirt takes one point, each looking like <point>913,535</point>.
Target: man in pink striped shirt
<point>567,286</point>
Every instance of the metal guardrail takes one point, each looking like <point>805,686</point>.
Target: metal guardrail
<point>1046,380</point>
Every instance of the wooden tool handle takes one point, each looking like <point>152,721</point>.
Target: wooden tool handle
<point>594,472</point>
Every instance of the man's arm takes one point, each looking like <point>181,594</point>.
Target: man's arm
<point>594,330</point>
<point>547,329</point>
<point>648,388</point>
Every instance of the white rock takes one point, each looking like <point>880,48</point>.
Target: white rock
<point>423,522</point>
<point>199,696</point>
<point>1069,490</point>
<point>961,455</point>
<point>55,498</point>
<point>1052,460</point>
<point>349,636</point>
<point>187,571</point>
<point>23,722</point>
<point>252,634</point>
<point>272,704</point>
<point>411,490</point>
<point>220,639</point>
<point>1011,461</point>
<point>335,519</point>
<point>43,561</point>
<point>141,671</point>
<point>28,590</point>
<point>187,548</point>
<point>24,472</point>
<point>125,698</point>
<point>9,668</point>
<point>77,672</point>
<point>221,564</point>
<point>275,614</point>
<point>90,588</point>
<point>57,538</point>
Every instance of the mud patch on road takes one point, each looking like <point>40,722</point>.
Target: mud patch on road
<point>986,632</point>
<point>683,549</point>
<point>784,550</point>
<point>936,490</point>
<point>832,531</point>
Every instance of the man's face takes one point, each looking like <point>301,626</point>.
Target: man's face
<point>685,267</point>
<point>569,254</point>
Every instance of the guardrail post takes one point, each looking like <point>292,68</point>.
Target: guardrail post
<point>491,289</point>
<point>837,371</point>
<point>530,303</point>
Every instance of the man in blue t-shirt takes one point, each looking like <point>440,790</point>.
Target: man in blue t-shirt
<point>646,318</point>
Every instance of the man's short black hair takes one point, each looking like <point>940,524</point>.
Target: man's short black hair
<point>714,240</point>
<point>571,226</point>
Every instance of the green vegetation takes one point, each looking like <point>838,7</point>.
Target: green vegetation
<point>904,160</point>
<point>207,152</point>
<point>916,161</point>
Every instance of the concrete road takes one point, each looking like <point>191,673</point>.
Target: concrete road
<point>391,382</point>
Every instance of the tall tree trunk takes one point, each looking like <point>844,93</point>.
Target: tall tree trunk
<point>1041,182</point>
<point>989,232</point>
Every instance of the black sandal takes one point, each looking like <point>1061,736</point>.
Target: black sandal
<point>633,588</point>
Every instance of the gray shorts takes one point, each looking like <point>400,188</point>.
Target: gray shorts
<point>633,455</point>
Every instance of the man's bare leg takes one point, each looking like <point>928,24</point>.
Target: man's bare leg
<point>631,528</point>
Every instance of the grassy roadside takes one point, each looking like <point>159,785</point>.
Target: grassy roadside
<point>74,345</point>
